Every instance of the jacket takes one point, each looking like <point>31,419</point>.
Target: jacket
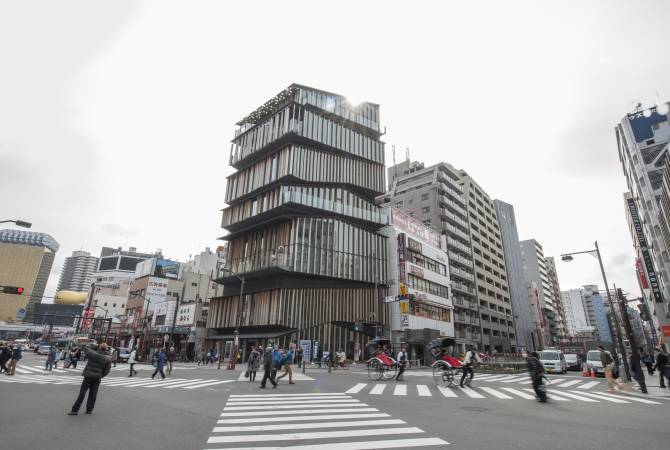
<point>267,361</point>
<point>254,361</point>
<point>606,359</point>
<point>661,361</point>
<point>75,355</point>
<point>5,354</point>
<point>535,367</point>
<point>132,356</point>
<point>17,353</point>
<point>98,365</point>
<point>160,359</point>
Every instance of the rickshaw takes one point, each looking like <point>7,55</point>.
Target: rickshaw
<point>446,367</point>
<point>380,365</point>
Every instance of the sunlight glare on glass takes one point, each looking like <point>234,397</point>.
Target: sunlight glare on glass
<point>663,108</point>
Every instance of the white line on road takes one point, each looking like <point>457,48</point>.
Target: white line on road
<point>423,390</point>
<point>400,389</point>
<point>291,402</point>
<point>288,413</point>
<point>447,392</point>
<point>305,418</point>
<point>589,385</point>
<point>356,389</point>
<point>249,408</point>
<point>210,383</point>
<point>496,393</point>
<point>312,435</point>
<point>283,395</point>
<point>185,383</point>
<point>519,393</point>
<point>307,426</point>
<point>378,389</point>
<point>569,383</point>
<point>471,392</point>
<point>633,399</point>
<point>576,397</point>
<point>363,445</point>
<point>602,397</point>
<point>551,397</point>
<point>515,379</point>
<point>288,399</point>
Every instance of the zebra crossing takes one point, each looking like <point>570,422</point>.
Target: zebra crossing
<point>25,370</point>
<point>297,376</point>
<point>124,382</point>
<point>324,421</point>
<point>584,384</point>
<point>486,392</point>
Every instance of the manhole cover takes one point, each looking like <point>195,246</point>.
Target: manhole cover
<point>474,408</point>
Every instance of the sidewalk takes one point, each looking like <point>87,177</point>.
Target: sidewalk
<point>653,387</point>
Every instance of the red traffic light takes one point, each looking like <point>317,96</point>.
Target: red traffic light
<point>19,290</point>
<point>11,290</point>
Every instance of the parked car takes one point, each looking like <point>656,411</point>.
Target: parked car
<point>124,354</point>
<point>553,361</point>
<point>44,349</point>
<point>573,361</point>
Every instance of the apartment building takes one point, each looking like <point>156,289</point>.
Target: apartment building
<point>535,271</point>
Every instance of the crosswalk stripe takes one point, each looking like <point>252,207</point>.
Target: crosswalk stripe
<point>163,383</point>
<point>495,393</point>
<point>352,404</point>
<point>496,377</point>
<point>288,413</point>
<point>569,383</point>
<point>471,392</point>
<point>602,397</point>
<point>519,393</point>
<point>423,390</point>
<point>362,445</point>
<point>576,397</point>
<point>311,435</point>
<point>283,395</point>
<point>507,378</point>
<point>291,402</point>
<point>486,377</point>
<point>305,418</point>
<point>446,392</point>
<point>22,370</point>
<point>515,379</point>
<point>528,381</point>
<point>356,389</point>
<point>31,379</point>
<point>588,385</point>
<point>210,383</point>
<point>184,383</point>
<point>632,399</point>
<point>553,396</point>
<point>378,389</point>
<point>307,426</point>
<point>289,399</point>
<point>400,389</point>
<point>129,383</point>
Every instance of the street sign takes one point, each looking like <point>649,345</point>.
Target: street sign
<point>21,313</point>
<point>404,320</point>
<point>306,346</point>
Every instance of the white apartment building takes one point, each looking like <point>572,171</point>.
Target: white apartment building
<point>575,316</point>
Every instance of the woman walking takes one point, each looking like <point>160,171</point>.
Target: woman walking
<point>132,360</point>
<point>253,363</point>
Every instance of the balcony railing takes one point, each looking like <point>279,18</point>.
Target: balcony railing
<point>461,287</point>
<point>453,256</point>
<point>457,231</point>
<point>461,273</point>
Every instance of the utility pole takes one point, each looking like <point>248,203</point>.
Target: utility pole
<point>631,339</point>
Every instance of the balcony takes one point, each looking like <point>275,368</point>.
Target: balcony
<point>463,248</point>
<point>455,207</point>
<point>452,230</point>
<point>461,274</point>
<point>461,287</point>
<point>454,218</point>
<point>464,261</point>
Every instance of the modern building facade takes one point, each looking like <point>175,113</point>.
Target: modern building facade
<point>535,271</point>
<point>451,202</point>
<point>303,229</point>
<point>524,323</point>
<point>575,315</point>
<point>597,310</point>
<point>418,264</point>
<point>562,334</point>
<point>56,314</point>
<point>642,140</point>
<point>77,273</point>
<point>26,258</point>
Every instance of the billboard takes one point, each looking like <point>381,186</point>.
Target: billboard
<point>158,267</point>
<point>412,226</point>
<point>156,292</point>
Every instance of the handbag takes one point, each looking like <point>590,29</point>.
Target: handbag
<point>246,374</point>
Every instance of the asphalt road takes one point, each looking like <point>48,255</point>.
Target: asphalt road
<point>343,409</point>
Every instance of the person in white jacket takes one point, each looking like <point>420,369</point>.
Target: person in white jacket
<point>132,360</point>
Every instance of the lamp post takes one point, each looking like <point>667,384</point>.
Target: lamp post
<point>18,223</point>
<point>567,257</point>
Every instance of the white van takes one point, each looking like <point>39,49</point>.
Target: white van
<point>594,363</point>
<point>553,361</point>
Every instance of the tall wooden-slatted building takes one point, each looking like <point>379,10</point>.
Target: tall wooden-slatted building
<point>303,228</point>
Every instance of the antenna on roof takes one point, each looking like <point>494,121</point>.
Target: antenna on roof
<point>407,154</point>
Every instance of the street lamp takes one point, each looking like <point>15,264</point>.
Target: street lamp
<point>19,223</point>
<point>236,333</point>
<point>567,257</point>
<point>144,320</point>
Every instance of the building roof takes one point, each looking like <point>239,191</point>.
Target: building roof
<point>23,237</point>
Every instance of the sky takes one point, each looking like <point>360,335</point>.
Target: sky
<point>116,117</point>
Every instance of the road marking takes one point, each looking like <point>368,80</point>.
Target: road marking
<point>633,399</point>
<point>506,378</point>
<point>495,378</point>
<point>363,445</point>
<point>589,385</point>
<point>288,399</point>
<point>311,435</point>
<point>576,397</point>
<point>291,402</point>
<point>569,383</point>
<point>305,418</point>
<point>496,393</point>
<point>210,383</point>
<point>378,389</point>
<point>288,413</point>
<point>446,392</point>
<point>353,403</point>
<point>400,389</point>
<point>519,393</point>
<point>129,383</point>
<point>602,397</point>
<point>163,383</point>
<point>356,389</point>
<point>423,390</point>
<point>283,395</point>
<point>185,383</point>
<point>515,379</point>
<point>553,396</point>
<point>298,376</point>
<point>307,426</point>
<point>471,392</point>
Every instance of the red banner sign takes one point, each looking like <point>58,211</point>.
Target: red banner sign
<point>640,273</point>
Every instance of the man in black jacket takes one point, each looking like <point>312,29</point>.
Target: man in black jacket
<point>663,367</point>
<point>98,366</point>
<point>536,371</point>
<point>268,366</point>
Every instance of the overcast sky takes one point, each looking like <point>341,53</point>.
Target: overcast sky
<point>116,117</point>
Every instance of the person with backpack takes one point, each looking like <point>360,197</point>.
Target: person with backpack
<point>608,365</point>
<point>402,362</point>
<point>286,362</point>
<point>471,358</point>
<point>536,371</point>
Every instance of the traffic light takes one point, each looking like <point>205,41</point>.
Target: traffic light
<point>11,290</point>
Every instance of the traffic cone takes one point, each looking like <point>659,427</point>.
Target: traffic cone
<point>593,373</point>
<point>586,372</point>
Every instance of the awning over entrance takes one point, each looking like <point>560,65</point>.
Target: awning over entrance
<point>250,332</point>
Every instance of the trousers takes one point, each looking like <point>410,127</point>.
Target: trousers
<point>91,385</point>
<point>269,375</point>
<point>538,387</point>
<point>467,370</point>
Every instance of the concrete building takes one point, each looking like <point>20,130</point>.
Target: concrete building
<point>535,270</point>
<point>575,315</point>
<point>61,315</point>
<point>77,273</point>
<point>524,324</point>
<point>418,261</point>
<point>642,140</point>
<point>451,202</point>
<point>562,334</point>
<point>26,258</point>
<point>597,310</point>
<point>303,226</point>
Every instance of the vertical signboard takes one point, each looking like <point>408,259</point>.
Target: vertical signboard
<point>401,258</point>
<point>646,255</point>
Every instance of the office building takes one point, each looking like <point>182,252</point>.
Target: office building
<point>575,315</point>
<point>418,261</point>
<point>562,334</point>
<point>597,310</point>
<point>450,201</point>
<point>57,314</point>
<point>303,229</point>
<point>524,322</point>
<point>642,139</point>
<point>77,273</point>
<point>535,271</point>
<point>26,258</point>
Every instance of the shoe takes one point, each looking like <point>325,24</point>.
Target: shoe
<point>291,382</point>
<point>89,412</point>
<point>72,413</point>
<point>262,387</point>
<point>274,386</point>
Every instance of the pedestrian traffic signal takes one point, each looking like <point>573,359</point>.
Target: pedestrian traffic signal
<point>11,290</point>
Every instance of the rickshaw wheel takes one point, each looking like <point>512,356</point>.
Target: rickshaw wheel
<point>443,374</point>
<point>375,370</point>
<point>390,371</point>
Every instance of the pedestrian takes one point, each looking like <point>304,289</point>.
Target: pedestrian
<point>115,356</point>
<point>536,371</point>
<point>5,355</point>
<point>160,363</point>
<point>319,356</point>
<point>298,357</point>
<point>471,359</point>
<point>402,362</point>
<point>171,357</point>
<point>132,360</point>
<point>608,366</point>
<point>286,362</point>
<point>637,372</point>
<point>648,360</point>
<point>341,358</point>
<point>98,366</point>
<point>663,367</point>
<point>17,354</point>
<point>268,364</point>
<point>49,364</point>
<point>75,355</point>
<point>253,363</point>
